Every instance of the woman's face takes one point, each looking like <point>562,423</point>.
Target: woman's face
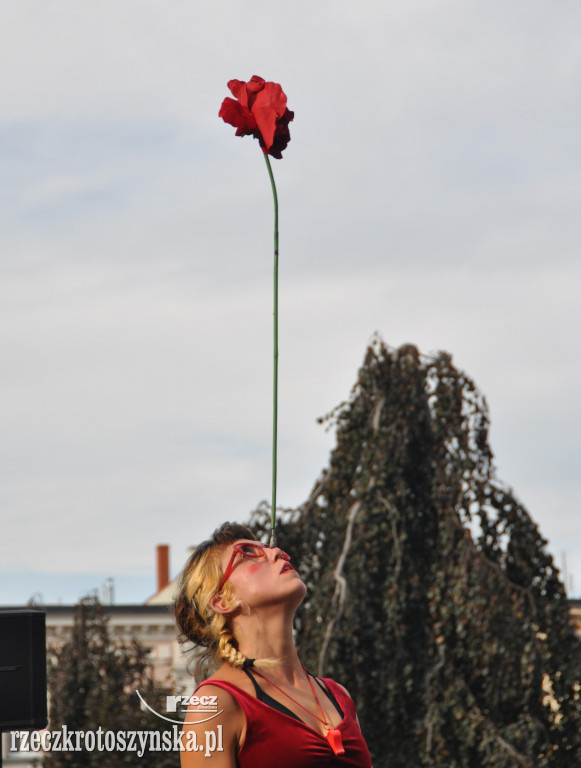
<point>261,575</point>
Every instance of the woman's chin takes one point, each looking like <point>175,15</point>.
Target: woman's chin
<point>299,589</point>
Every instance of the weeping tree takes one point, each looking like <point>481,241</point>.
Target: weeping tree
<point>92,682</point>
<point>431,595</point>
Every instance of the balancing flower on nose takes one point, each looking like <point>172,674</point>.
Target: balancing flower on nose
<point>237,596</point>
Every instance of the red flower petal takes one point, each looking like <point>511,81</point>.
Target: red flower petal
<point>238,90</point>
<point>281,135</point>
<point>268,107</point>
<point>240,117</point>
<point>254,86</point>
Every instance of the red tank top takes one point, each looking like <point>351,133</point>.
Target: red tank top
<point>276,739</point>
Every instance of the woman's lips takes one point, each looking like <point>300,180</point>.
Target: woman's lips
<point>286,567</point>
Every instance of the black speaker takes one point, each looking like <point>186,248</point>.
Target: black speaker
<point>22,670</point>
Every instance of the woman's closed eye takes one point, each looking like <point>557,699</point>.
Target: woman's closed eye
<point>251,550</point>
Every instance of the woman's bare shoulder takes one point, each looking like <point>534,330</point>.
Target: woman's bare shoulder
<point>210,695</point>
<point>233,676</point>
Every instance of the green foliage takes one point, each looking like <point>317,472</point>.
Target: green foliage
<point>92,684</point>
<point>431,595</point>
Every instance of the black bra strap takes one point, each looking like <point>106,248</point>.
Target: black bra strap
<point>329,695</point>
<point>257,689</point>
<point>266,699</point>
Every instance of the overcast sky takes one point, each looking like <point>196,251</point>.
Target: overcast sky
<point>430,192</point>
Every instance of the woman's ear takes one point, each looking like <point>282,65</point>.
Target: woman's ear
<point>219,605</point>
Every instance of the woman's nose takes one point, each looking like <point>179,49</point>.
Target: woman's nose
<point>276,553</point>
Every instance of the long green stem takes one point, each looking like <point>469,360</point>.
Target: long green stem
<point>275,368</point>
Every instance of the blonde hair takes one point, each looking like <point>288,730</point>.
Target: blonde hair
<point>210,632</point>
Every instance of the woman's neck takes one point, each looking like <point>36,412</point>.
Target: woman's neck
<point>269,637</point>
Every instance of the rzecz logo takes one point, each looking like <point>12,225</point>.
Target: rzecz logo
<point>201,705</point>
<point>197,703</point>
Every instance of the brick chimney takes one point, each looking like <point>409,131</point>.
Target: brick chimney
<point>162,566</point>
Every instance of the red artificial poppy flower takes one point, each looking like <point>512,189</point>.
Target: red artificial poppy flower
<point>259,109</point>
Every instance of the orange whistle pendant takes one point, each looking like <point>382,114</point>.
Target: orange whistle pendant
<point>334,739</point>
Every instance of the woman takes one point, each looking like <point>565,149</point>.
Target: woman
<point>237,600</point>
